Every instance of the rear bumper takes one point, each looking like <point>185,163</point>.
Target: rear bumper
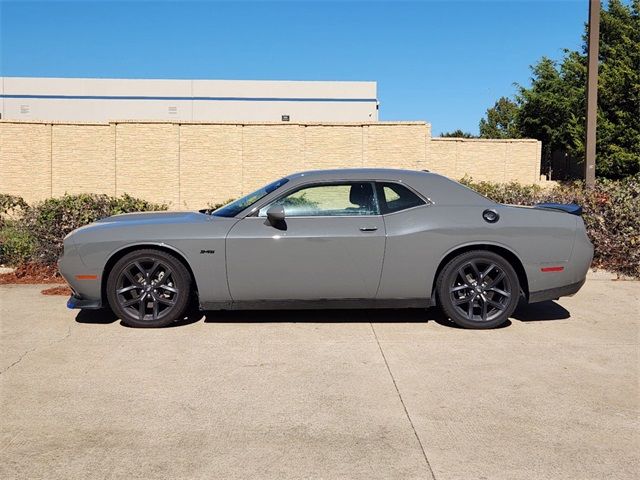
<point>555,293</point>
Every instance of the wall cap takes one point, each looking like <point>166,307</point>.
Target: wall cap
<point>50,122</point>
<point>487,140</point>
<point>190,122</point>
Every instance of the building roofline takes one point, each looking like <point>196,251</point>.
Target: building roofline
<point>187,79</point>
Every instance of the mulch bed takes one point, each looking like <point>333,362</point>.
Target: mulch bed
<point>32,273</point>
<point>60,290</point>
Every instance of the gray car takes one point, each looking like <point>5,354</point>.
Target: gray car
<point>356,238</point>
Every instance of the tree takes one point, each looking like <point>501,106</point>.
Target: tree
<point>458,134</point>
<point>501,121</point>
<point>552,109</point>
<point>618,132</point>
<point>549,108</point>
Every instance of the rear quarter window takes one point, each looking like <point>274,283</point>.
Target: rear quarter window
<point>394,197</point>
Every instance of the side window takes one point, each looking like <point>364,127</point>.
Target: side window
<point>353,198</point>
<point>394,197</point>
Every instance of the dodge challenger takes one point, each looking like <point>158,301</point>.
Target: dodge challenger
<point>352,238</point>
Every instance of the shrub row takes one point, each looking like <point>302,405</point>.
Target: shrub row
<point>35,233</point>
<point>611,215</point>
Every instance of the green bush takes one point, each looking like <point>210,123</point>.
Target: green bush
<point>16,245</point>
<point>611,213</point>
<point>36,235</point>
<point>11,206</point>
<point>214,206</point>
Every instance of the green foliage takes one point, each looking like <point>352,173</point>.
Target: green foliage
<point>214,206</point>
<point>11,206</point>
<point>501,121</point>
<point>36,235</point>
<point>611,214</point>
<point>457,134</point>
<point>618,144</point>
<point>548,108</point>
<point>299,202</point>
<point>9,203</point>
<point>552,109</point>
<point>511,193</point>
<point>16,245</point>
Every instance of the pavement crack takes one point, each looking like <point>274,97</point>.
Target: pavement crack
<point>406,412</point>
<point>31,350</point>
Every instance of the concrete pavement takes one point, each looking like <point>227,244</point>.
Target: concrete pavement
<point>322,394</point>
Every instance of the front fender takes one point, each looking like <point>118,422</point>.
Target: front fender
<point>200,245</point>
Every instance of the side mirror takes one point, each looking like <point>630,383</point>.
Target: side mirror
<point>275,215</point>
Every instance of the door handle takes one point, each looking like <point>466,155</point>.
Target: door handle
<point>368,229</point>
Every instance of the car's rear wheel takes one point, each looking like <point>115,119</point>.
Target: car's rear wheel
<point>478,289</point>
<point>149,288</point>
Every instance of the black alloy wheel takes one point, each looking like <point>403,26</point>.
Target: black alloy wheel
<point>478,289</point>
<point>149,288</point>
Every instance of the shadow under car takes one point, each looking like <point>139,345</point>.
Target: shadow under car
<point>543,311</point>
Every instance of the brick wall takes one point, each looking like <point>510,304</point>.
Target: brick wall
<point>189,165</point>
<point>86,152</point>
<point>483,159</point>
<point>25,160</point>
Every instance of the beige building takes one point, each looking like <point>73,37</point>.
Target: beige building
<point>103,100</point>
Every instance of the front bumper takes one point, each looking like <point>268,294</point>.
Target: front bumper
<point>76,301</point>
<point>84,282</point>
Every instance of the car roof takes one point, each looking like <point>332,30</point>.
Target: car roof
<point>436,188</point>
<point>361,173</point>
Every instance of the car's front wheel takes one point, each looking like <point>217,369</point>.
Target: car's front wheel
<point>148,288</point>
<point>478,289</point>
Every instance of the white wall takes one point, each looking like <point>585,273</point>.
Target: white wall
<point>186,100</point>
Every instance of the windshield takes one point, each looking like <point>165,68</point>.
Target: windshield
<point>235,207</point>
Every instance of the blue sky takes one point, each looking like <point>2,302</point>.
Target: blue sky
<point>443,62</point>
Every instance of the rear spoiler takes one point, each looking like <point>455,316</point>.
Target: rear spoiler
<point>571,208</point>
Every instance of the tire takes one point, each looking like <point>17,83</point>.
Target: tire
<point>149,288</point>
<point>478,289</point>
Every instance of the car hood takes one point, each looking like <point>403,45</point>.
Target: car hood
<point>144,219</point>
<point>155,217</point>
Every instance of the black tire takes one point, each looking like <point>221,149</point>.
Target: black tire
<point>478,289</point>
<point>149,288</point>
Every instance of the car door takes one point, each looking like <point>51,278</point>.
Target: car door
<point>330,246</point>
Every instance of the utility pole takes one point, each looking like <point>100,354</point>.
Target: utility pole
<point>592,92</point>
